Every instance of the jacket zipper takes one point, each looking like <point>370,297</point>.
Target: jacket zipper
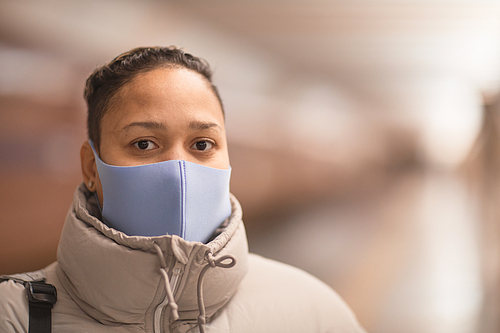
<point>174,281</point>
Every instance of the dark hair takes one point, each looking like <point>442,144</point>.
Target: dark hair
<point>104,82</point>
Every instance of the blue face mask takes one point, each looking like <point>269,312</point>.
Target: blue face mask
<point>172,197</point>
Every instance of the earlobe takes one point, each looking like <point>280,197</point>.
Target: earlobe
<point>89,170</point>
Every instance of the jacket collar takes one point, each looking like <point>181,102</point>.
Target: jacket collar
<point>116,278</point>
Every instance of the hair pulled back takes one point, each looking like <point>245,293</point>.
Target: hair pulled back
<point>103,84</point>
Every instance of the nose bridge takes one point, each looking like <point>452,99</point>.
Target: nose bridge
<point>175,151</point>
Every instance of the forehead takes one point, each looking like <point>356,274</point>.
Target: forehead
<point>165,91</point>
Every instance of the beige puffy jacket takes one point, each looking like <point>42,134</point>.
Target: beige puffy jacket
<point>110,282</point>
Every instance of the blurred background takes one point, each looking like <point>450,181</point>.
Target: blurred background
<point>364,138</point>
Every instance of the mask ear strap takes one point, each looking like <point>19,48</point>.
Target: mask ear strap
<point>98,203</point>
<point>95,192</point>
<point>92,145</point>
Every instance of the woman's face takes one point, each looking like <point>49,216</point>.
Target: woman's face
<point>164,114</point>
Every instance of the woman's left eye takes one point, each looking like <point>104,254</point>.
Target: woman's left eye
<point>145,145</point>
<point>202,145</point>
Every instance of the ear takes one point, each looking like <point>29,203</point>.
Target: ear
<point>89,168</point>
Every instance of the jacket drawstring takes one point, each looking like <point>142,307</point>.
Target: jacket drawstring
<point>170,296</point>
<point>211,264</point>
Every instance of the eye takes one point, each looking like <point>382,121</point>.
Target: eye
<point>145,145</point>
<point>202,145</point>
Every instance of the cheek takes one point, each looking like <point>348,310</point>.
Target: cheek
<point>226,160</point>
<point>223,161</point>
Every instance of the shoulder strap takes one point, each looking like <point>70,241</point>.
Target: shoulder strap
<point>41,296</point>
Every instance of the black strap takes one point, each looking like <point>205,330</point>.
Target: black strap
<point>42,297</point>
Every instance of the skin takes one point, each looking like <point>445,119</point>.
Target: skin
<point>164,114</point>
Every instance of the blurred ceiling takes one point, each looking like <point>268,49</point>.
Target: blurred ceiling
<point>358,42</point>
<point>364,44</point>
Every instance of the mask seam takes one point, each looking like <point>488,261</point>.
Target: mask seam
<point>183,196</point>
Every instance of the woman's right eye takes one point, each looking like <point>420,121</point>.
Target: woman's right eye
<point>145,145</point>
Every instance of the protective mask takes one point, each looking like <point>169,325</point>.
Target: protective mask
<point>172,197</point>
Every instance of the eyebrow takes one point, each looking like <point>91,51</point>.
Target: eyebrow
<point>201,125</point>
<point>145,124</point>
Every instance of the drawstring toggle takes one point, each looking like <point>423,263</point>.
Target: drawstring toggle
<point>212,263</point>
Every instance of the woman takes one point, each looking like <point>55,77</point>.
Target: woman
<point>153,241</point>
